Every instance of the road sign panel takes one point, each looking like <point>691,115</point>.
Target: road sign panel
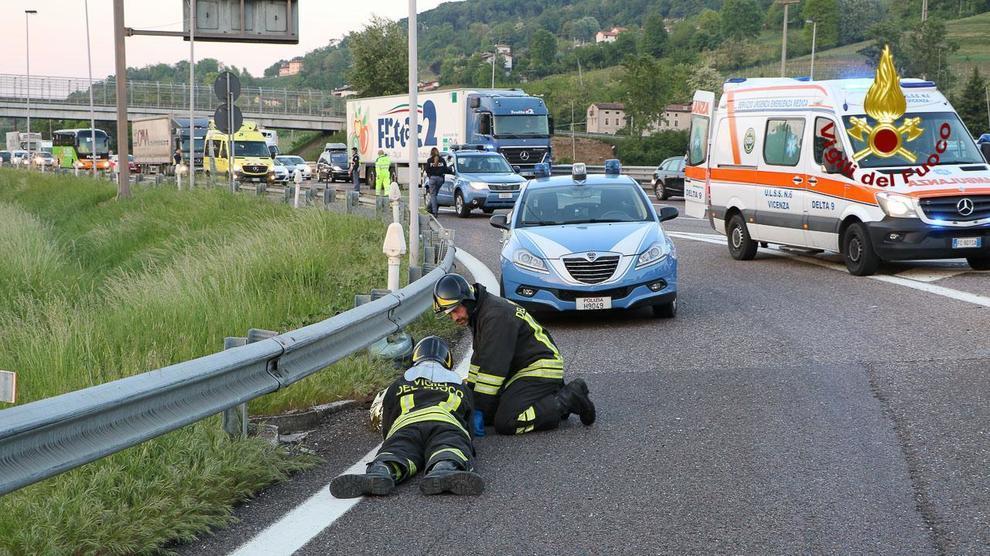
<point>227,83</point>
<point>222,118</point>
<point>258,21</point>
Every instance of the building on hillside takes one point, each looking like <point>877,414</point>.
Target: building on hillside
<point>345,91</point>
<point>610,117</point>
<point>606,117</point>
<point>292,67</point>
<point>503,50</point>
<point>609,36</point>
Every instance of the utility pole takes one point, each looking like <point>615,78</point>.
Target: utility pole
<point>494,57</point>
<point>92,110</point>
<point>192,95</point>
<point>814,35</point>
<point>924,10</point>
<point>783,47</point>
<point>27,42</point>
<point>123,168</point>
<point>986,90</point>
<point>413,139</point>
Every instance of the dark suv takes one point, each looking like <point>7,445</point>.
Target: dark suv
<point>668,178</point>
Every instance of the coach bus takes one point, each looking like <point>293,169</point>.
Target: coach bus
<point>73,148</point>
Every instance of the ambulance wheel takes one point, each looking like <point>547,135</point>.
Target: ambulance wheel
<point>979,263</point>
<point>665,310</point>
<point>460,207</point>
<point>857,251</point>
<point>741,245</point>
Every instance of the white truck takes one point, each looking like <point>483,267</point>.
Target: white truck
<point>504,120</point>
<point>153,142</point>
<point>23,141</point>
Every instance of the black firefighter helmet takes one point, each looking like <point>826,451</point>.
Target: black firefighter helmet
<point>451,291</point>
<point>432,348</point>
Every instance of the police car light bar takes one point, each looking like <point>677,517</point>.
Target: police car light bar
<point>613,167</point>
<point>579,170</point>
<point>541,170</point>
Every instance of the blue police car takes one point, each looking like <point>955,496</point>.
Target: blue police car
<point>588,242</point>
<point>482,179</point>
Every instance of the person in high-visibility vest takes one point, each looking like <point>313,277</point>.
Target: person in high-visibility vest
<point>383,174</point>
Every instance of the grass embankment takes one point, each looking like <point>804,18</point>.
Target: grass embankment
<point>93,289</point>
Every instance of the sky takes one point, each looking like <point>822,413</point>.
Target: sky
<point>58,34</point>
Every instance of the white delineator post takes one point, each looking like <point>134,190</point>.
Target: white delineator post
<point>413,140</point>
<point>394,247</point>
<point>298,179</point>
<point>395,194</point>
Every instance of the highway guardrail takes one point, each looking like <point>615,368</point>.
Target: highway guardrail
<point>44,438</point>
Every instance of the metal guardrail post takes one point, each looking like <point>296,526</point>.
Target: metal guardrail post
<point>351,201</point>
<point>235,419</point>
<point>329,195</point>
<point>288,193</point>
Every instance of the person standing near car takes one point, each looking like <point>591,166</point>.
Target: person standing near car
<point>436,169</point>
<point>176,161</point>
<point>355,171</point>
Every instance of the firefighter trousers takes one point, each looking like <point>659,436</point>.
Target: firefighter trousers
<point>421,445</point>
<point>528,404</point>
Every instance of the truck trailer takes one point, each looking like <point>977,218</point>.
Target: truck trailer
<point>156,138</point>
<point>23,141</point>
<point>507,121</point>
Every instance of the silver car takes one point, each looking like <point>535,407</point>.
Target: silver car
<point>294,163</point>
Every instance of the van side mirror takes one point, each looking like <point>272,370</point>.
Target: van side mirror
<point>500,221</point>
<point>985,149</point>
<point>668,213</point>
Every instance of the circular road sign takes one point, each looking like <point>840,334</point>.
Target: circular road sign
<point>221,89</point>
<point>222,118</point>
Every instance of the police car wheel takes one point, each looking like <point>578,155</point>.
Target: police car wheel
<point>665,310</point>
<point>741,245</point>
<point>979,263</point>
<point>460,207</point>
<point>857,251</point>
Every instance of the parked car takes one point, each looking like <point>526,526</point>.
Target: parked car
<point>18,157</point>
<point>333,165</point>
<point>588,242</point>
<point>43,160</point>
<point>668,178</point>
<point>482,179</point>
<point>282,173</point>
<point>5,157</point>
<point>294,163</point>
<point>132,166</point>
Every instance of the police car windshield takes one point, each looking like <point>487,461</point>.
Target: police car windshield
<point>483,164</point>
<point>959,147</point>
<point>582,204</point>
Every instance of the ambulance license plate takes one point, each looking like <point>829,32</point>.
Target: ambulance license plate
<point>505,195</point>
<point>967,242</point>
<point>593,303</point>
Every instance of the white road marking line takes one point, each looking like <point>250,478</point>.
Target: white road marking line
<point>958,295</point>
<point>307,520</point>
<point>931,274</point>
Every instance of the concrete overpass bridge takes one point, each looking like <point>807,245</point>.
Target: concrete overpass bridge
<point>67,98</point>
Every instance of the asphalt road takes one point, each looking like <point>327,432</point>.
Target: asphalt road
<point>789,408</point>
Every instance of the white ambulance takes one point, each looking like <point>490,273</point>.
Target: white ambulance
<point>875,169</point>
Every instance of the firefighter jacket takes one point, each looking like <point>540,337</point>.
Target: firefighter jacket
<point>508,345</point>
<point>426,392</point>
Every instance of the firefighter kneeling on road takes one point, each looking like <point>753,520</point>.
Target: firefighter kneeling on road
<point>425,421</point>
<point>517,372</point>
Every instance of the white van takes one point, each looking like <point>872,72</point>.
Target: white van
<point>810,164</point>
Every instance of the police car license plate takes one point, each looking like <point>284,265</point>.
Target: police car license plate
<point>505,195</point>
<point>593,303</point>
<point>967,242</point>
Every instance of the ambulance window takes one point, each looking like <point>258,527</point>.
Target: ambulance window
<point>698,146</point>
<point>826,132</point>
<point>782,143</point>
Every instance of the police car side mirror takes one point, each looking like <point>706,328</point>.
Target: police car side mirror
<point>668,213</point>
<point>501,222</point>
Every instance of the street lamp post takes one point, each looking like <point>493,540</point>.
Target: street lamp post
<point>192,97</point>
<point>92,110</point>
<point>814,35</point>
<point>783,45</point>
<point>494,57</point>
<point>413,139</point>
<point>27,42</point>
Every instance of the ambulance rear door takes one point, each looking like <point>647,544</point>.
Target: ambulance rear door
<point>696,169</point>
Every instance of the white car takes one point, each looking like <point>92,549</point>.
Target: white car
<point>18,158</point>
<point>294,163</point>
<point>282,172</point>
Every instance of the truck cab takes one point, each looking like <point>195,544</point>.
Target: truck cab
<point>512,123</point>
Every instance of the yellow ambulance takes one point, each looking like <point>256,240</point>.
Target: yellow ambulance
<point>252,161</point>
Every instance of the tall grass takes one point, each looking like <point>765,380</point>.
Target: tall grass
<point>94,289</point>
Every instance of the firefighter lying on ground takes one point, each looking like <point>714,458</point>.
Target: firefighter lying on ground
<point>425,424</point>
<point>517,372</point>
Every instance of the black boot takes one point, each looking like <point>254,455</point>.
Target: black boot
<point>573,398</point>
<point>378,480</point>
<point>446,476</point>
